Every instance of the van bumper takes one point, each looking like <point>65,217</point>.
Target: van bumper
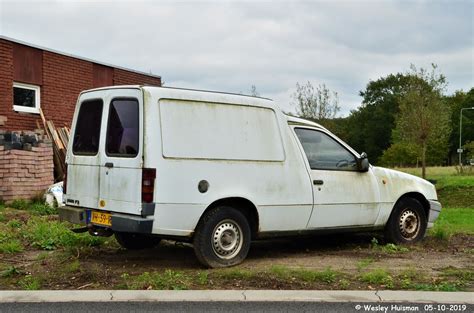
<point>120,222</point>
<point>435,209</point>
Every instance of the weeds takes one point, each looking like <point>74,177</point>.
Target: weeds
<point>52,235</point>
<point>236,273</point>
<point>203,278</point>
<point>19,204</point>
<point>14,223</point>
<point>168,280</point>
<point>379,277</point>
<point>30,283</point>
<point>388,248</point>
<point>9,272</point>
<point>462,274</point>
<point>42,209</point>
<point>362,264</point>
<point>11,246</point>
<point>393,248</point>
<point>327,275</point>
<point>444,286</point>
<point>344,284</point>
<point>36,206</point>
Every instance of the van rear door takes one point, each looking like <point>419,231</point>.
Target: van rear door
<point>104,166</point>
<point>121,155</point>
<point>83,155</point>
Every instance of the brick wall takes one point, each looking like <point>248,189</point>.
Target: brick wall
<point>6,78</point>
<point>23,174</point>
<point>63,78</point>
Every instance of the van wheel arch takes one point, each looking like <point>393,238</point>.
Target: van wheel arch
<point>417,196</point>
<point>245,206</point>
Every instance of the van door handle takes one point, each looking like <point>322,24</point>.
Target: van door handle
<point>318,182</point>
<point>109,164</point>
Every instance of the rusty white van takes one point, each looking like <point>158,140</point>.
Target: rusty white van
<point>220,170</point>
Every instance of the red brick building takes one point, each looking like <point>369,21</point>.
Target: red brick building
<point>32,77</point>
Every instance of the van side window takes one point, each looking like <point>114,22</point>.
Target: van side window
<point>87,133</point>
<point>123,128</point>
<point>324,153</point>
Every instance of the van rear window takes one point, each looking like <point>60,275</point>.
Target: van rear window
<point>87,133</point>
<point>123,128</point>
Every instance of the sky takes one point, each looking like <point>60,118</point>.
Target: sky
<point>232,45</point>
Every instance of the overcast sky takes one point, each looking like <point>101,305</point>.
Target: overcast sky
<point>231,45</point>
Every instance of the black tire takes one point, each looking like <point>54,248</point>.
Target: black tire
<point>407,223</point>
<point>222,238</point>
<point>134,241</point>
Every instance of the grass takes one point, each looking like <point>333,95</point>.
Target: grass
<point>36,206</point>
<point>167,280</point>
<point>454,190</point>
<point>464,275</point>
<point>326,276</point>
<point>236,273</point>
<point>453,221</point>
<point>364,263</point>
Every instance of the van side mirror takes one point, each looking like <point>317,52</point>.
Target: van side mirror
<point>363,162</point>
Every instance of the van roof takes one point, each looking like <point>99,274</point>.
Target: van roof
<point>301,121</point>
<point>261,101</point>
<point>197,95</point>
<point>175,88</point>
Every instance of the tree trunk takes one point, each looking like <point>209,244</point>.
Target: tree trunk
<point>423,160</point>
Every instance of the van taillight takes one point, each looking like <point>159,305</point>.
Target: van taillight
<point>65,181</point>
<point>148,184</point>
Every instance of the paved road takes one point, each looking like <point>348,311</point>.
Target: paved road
<point>274,307</point>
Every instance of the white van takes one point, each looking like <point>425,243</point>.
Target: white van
<point>220,170</point>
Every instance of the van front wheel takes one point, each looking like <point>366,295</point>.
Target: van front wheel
<point>222,238</point>
<point>407,223</point>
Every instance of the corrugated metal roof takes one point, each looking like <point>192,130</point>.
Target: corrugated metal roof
<point>75,56</point>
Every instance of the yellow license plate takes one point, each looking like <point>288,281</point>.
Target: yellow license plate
<point>101,218</point>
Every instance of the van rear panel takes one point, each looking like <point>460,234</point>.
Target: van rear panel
<point>105,154</point>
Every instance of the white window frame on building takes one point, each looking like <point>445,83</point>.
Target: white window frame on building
<point>21,108</point>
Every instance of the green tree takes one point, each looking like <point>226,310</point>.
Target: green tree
<point>399,154</point>
<point>369,128</point>
<point>424,118</point>
<point>315,103</point>
<point>456,102</point>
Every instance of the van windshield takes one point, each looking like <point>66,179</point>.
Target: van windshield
<point>87,133</point>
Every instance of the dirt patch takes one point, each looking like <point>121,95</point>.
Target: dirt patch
<point>323,262</point>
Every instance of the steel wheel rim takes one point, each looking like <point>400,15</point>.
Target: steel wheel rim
<point>227,239</point>
<point>409,224</point>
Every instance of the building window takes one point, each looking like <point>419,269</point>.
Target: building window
<point>26,98</point>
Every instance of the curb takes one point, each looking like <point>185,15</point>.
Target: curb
<point>236,296</point>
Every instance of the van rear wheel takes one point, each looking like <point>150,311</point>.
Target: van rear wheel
<point>134,241</point>
<point>222,238</point>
